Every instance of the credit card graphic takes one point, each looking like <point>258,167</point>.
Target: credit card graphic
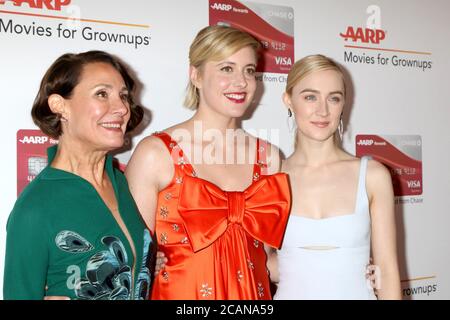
<point>31,155</point>
<point>402,154</point>
<point>272,25</point>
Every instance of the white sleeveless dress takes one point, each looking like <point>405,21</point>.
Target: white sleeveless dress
<point>337,273</point>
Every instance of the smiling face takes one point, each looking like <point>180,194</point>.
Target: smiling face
<point>227,86</point>
<point>98,110</point>
<point>317,102</point>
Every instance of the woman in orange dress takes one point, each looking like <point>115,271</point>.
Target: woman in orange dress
<point>211,192</point>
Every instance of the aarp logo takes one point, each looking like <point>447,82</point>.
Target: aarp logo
<point>55,5</point>
<point>372,33</point>
<point>221,6</point>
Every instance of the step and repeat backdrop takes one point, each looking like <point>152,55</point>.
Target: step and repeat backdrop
<point>396,55</point>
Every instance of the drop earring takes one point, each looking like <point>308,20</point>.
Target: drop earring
<point>291,121</point>
<point>341,128</point>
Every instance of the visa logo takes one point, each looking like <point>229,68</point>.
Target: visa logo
<point>222,6</point>
<point>34,140</point>
<point>413,184</point>
<point>284,61</point>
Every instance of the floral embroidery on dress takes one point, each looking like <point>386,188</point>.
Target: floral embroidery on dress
<point>260,290</point>
<point>164,212</point>
<point>206,291</point>
<point>164,238</point>
<point>168,196</point>
<point>184,240</point>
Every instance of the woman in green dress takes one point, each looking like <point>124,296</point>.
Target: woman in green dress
<point>75,230</point>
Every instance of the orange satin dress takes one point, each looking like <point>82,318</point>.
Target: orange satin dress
<point>214,239</point>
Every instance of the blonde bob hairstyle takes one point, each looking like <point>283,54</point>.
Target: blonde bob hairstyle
<point>215,43</point>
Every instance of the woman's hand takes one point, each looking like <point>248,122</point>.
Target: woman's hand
<point>56,298</point>
<point>372,276</point>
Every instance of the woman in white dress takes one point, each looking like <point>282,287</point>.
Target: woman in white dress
<point>343,206</point>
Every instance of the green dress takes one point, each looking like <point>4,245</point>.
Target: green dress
<point>61,235</point>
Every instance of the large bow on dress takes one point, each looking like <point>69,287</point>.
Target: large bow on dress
<point>262,209</point>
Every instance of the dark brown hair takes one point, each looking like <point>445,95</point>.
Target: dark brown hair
<point>63,76</point>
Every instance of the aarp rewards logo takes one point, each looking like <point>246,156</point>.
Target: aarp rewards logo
<point>55,5</point>
<point>364,35</point>
<point>34,139</point>
<point>221,6</point>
